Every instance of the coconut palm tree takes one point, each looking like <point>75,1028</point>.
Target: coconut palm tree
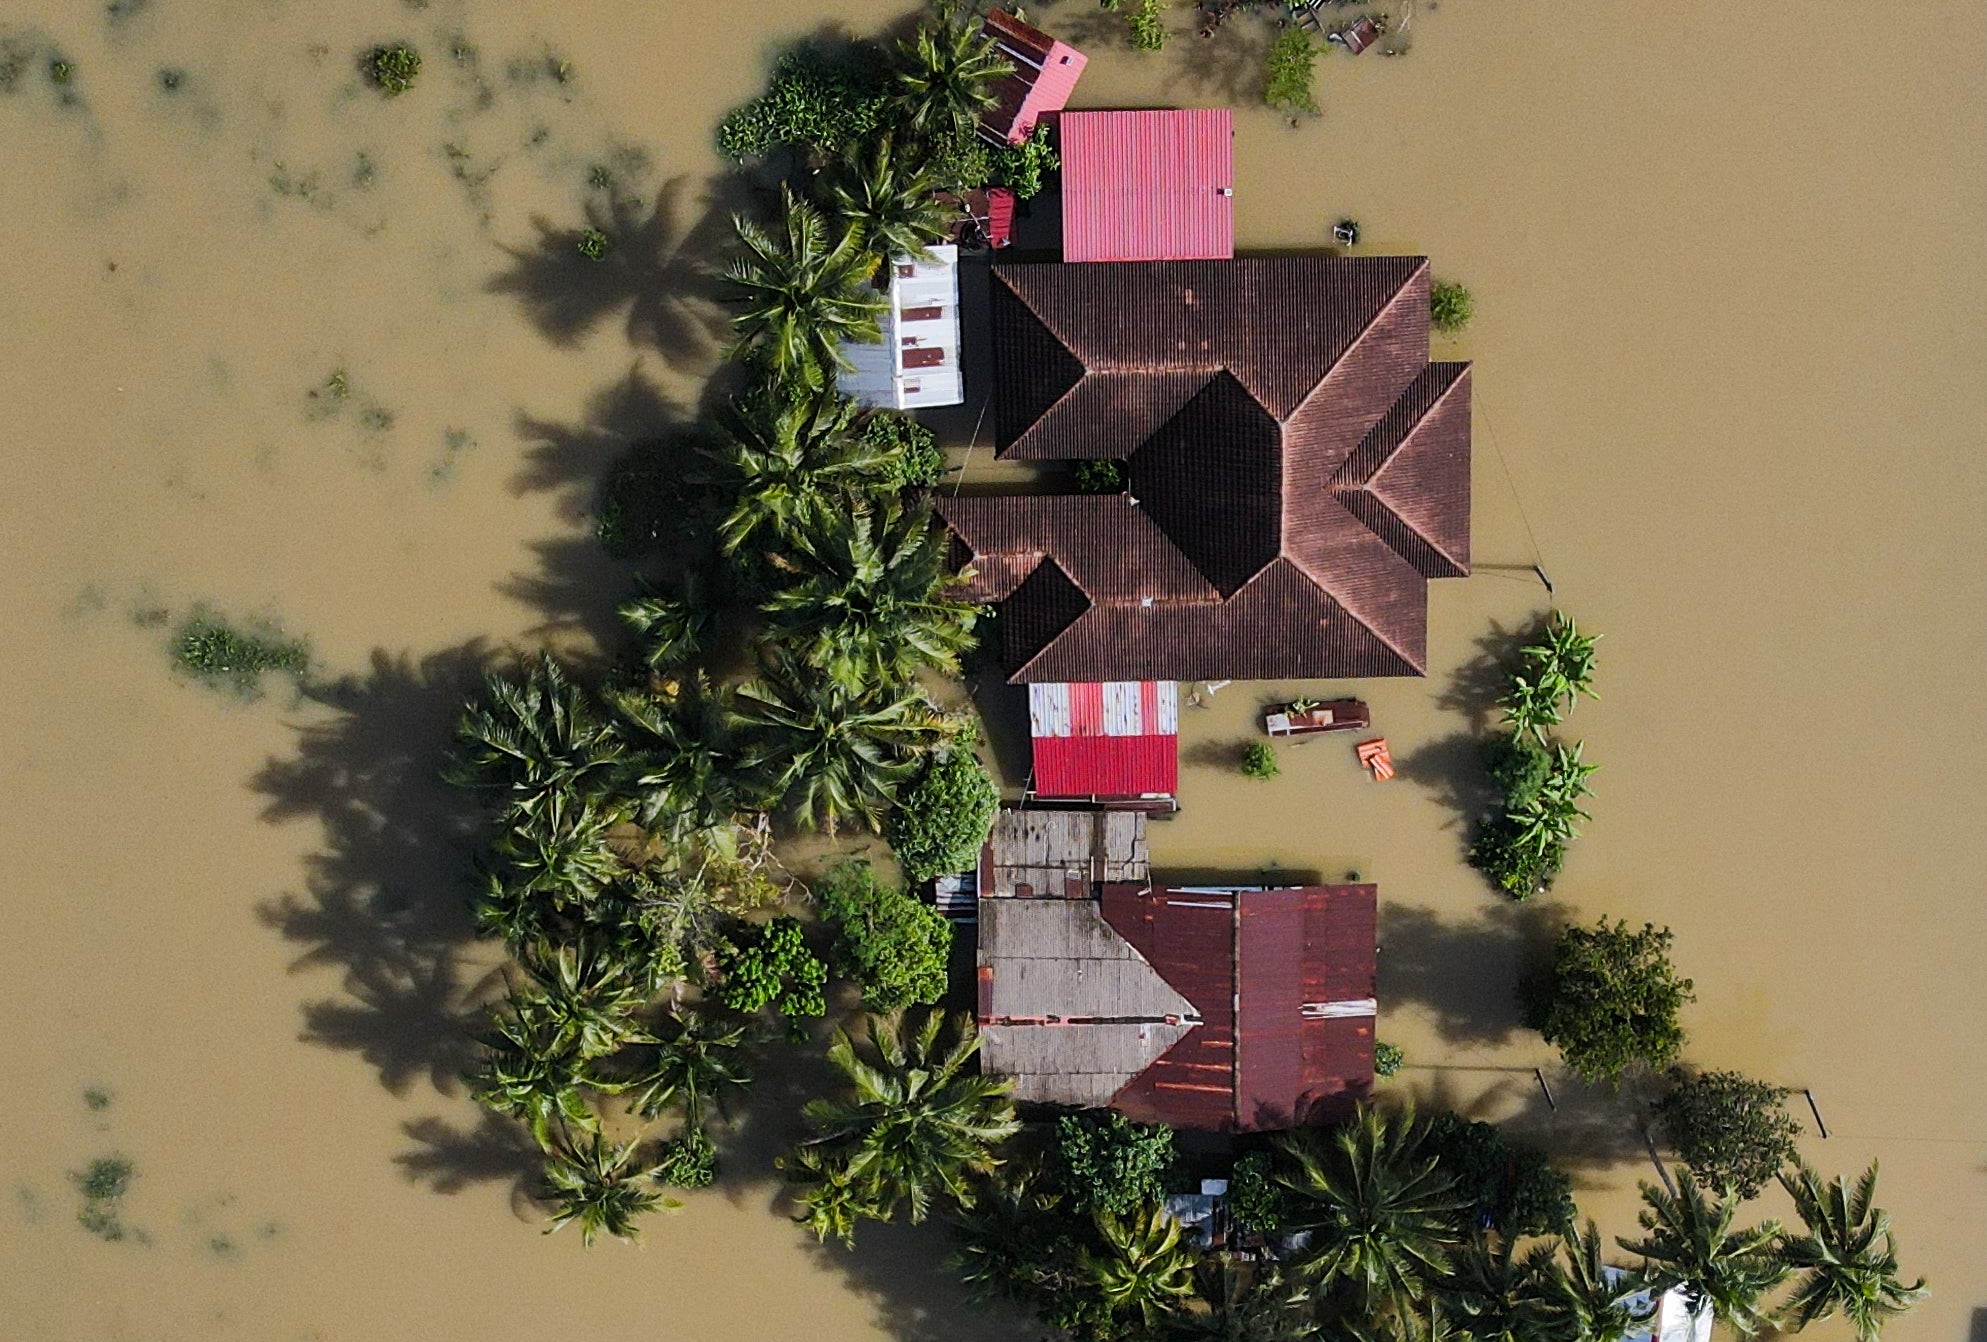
<point>672,630</point>
<point>1009,1233</point>
<point>947,72</point>
<point>1690,1245</point>
<point>802,290</point>
<point>533,736</point>
<point>557,853</point>
<point>1495,1293</point>
<point>893,203</point>
<point>1584,1300</point>
<point>867,603</point>
<point>533,1071</point>
<point>1382,1216</point>
<point>1143,1271</point>
<point>585,992</point>
<point>1241,1302</point>
<point>683,760</point>
<point>788,456</point>
<point>595,1185</point>
<point>835,755</point>
<point>695,1062</point>
<point>914,1128</point>
<point>1847,1261</point>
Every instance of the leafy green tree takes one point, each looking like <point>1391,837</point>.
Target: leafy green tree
<point>1733,1132</point>
<point>918,462</point>
<point>1518,766</point>
<point>1450,306</point>
<point>895,946</point>
<point>1582,1300</point>
<point>801,292</point>
<point>1288,68</point>
<point>1110,1164</point>
<point>1101,475</point>
<point>1259,761</point>
<point>814,103</point>
<point>533,736</point>
<point>595,1185</point>
<point>942,818</point>
<point>835,755</point>
<point>1689,1245</point>
<point>1024,168</point>
<point>1846,1263</point>
<point>892,201</point>
<point>1142,1270</point>
<point>697,1060</point>
<point>947,71</point>
<point>1257,1201</point>
<point>1610,999</point>
<point>1510,1183</point>
<point>772,967</point>
<point>913,1129</point>
<point>1383,1215</point>
<point>867,601</point>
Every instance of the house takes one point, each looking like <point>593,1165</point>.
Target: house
<point>1298,470</point>
<point>1032,853</point>
<point>1044,75</point>
<point>1148,185</point>
<point>1221,1009</point>
<point>1113,741</point>
<point>917,362</point>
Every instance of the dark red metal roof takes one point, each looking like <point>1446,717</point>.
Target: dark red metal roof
<point>1148,186</point>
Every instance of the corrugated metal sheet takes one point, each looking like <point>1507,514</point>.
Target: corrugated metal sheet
<point>1044,76</point>
<point>1298,469</point>
<point>1037,853</point>
<point>1107,766</point>
<point>1109,708</point>
<point>1148,185</point>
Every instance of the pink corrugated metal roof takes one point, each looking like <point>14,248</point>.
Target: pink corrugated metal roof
<point>1045,74</point>
<point>1148,186</point>
<point>1107,766</point>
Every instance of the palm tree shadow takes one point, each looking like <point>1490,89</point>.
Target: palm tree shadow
<point>449,1159</point>
<point>383,903</point>
<point>902,1271</point>
<point>659,269</point>
<point>1479,682</point>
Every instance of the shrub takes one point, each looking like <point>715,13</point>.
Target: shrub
<point>1145,22</point>
<point>1259,761</point>
<point>892,944</point>
<point>1387,1059</point>
<point>1255,1199</point>
<point>1610,999</point>
<point>773,967</point>
<point>214,651</point>
<point>1109,1163</point>
<point>1510,1183</point>
<point>1023,167</point>
<point>1519,870</point>
<point>942,818</point>
<point>1539,1198</point>
<point>1450,306</point>
<point>393,68</point>
<point>920,462</point>
<point>1733,1132</point>
<point>1101,476</point>
<point>1287,71</point>
<point>959,162</point>
<point>594,245</point>
<point>689,1161</point>
<point>814,102</point>
<point>1518,767</point>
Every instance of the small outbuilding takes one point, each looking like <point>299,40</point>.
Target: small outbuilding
<point>1106,741</point>
<point>1044,76</point>
<point>917,363</point>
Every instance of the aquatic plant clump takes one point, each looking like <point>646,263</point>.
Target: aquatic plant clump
<point>594,245</point>
<point>1387,1059</point>
<point>213,651</point>
<point>1288,67</point>
<point>1450,306</point>
<point>1259,761</point>
<point>103,1184</point>
<point>393,68</point>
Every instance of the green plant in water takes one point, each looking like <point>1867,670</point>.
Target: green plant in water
<point>1101,476</point>
<point>1288,67</point>
<point>1145,22</point>
<point>60,72</point>
<point>96,1099</point>
<point>393,68</point>
<point>1387,1059</point>
<point>594,245</point>
<point>774,968</point>
<point>1450,306</point>
<point>1259,761</point>
<point>1023,168</point>
<point>1610,998</point>
<point>214,651</point>
<point>103,1184</point>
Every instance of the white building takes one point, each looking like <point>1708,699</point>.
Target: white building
<point>918,362</point>
<point>1666,1318</point>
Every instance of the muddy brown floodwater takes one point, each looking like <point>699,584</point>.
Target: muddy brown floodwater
<point>1729,393</point>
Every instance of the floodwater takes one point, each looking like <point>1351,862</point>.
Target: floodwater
<point>1729,345</point>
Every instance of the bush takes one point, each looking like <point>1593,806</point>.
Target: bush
<point>689,1161</point>
<point>1517,869</point>
<point>942,818</point>
<point>1145,22</point>
<point>814,102</point>
<point>1518,766</point>
<point>1101,476</point>
<point>393,68</point>
<point>1450,306</point>
<point>594,245</point>
<point>1023,167</point>
<point>1510,1183</point>
<point>1733,1132</point>
<point>920,463</point>
<point>1287,71</point>
<point>1259,761</point>
<point>895,946</point>
<point>1387,1059</point>
<point>959,162</point>
<point>1539,1199</point>
<point>1255,1199</point>
<point>1610,999</point>
<point>1109,1163</point>
<point>773,967</point>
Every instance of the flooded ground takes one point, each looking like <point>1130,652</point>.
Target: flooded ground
<point>280,347</point>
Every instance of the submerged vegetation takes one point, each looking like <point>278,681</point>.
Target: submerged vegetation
<point>393,68</point>
<point>1288,71</point>
<point>1450,306</point>
<point>220,653</point>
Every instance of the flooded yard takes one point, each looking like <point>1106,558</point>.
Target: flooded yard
<point>284,350</point>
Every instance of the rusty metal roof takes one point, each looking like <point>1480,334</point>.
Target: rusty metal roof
<point>1298,469</point>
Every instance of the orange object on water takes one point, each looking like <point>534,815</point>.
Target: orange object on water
<point>1375,756</point>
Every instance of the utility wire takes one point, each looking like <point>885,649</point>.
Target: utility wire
<point>1511,483</point>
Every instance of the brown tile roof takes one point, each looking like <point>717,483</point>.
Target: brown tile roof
<point>1298,468</point>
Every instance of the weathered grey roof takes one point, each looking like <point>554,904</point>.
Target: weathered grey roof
<point>1062,854</point>
<point>1082,1065</point>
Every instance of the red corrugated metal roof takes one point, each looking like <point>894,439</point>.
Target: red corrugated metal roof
<point>1107,766</point>
<point>1148,186</point>
<point>1045,74</point>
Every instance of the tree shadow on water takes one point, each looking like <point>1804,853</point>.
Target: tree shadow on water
<point>659,267</point>
<point>383,904</point>
<point>902,1271</point>
<point>449,1159</point>
<point>1465,974</point>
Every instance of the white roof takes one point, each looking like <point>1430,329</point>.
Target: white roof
<point>917,364</point>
